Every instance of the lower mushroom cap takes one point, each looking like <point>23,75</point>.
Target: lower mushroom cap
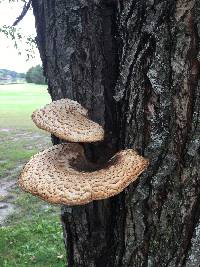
<point>52,175</point>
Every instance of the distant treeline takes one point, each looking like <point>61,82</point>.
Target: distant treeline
<point>35,75</point>
<point>9,74</point>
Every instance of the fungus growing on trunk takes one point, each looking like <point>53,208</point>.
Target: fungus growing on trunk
<point>68,120</point>
<point>62,174</point>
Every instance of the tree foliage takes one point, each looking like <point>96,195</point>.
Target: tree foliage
<point>35,75</point>
<point>24,43</point>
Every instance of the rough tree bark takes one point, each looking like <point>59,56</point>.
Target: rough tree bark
<point>135,65</point>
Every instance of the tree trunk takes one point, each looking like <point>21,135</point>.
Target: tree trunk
<point>135,66</point>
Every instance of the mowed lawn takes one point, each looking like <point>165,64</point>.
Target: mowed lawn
<point>18,101</point>
<point>31,234</point>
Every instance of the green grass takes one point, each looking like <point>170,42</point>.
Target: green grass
<point>23,138</point>
<point>32,235</point>
<point>16,147</point>
<point>33,243</point>
<point>18,101</point>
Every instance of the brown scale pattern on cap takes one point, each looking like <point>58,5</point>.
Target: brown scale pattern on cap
<point>51,175</point>
<point>68,120</point>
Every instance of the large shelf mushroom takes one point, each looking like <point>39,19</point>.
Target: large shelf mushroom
<point>53,175</point>
<point>61,173</point>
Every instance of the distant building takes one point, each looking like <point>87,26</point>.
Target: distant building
<point>6,78</point>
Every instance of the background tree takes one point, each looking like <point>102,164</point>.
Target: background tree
<point>35,75</point>
<point>135,66</point>
<point>28,75</point>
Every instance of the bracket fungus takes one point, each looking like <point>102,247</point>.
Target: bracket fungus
<point>62,174</point>
<point>68,120</point>
<point>54,176</point>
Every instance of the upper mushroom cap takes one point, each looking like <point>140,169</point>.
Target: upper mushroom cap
<point>68,120</point>
<point>52,175</point>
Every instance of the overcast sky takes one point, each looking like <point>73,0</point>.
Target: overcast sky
<point>9,57</point>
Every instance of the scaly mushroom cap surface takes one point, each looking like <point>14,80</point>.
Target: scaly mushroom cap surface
<point>52,175</point>
<point>68,120</point>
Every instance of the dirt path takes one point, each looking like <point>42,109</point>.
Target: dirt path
<point>6,195</point>
<point>8,181</point>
